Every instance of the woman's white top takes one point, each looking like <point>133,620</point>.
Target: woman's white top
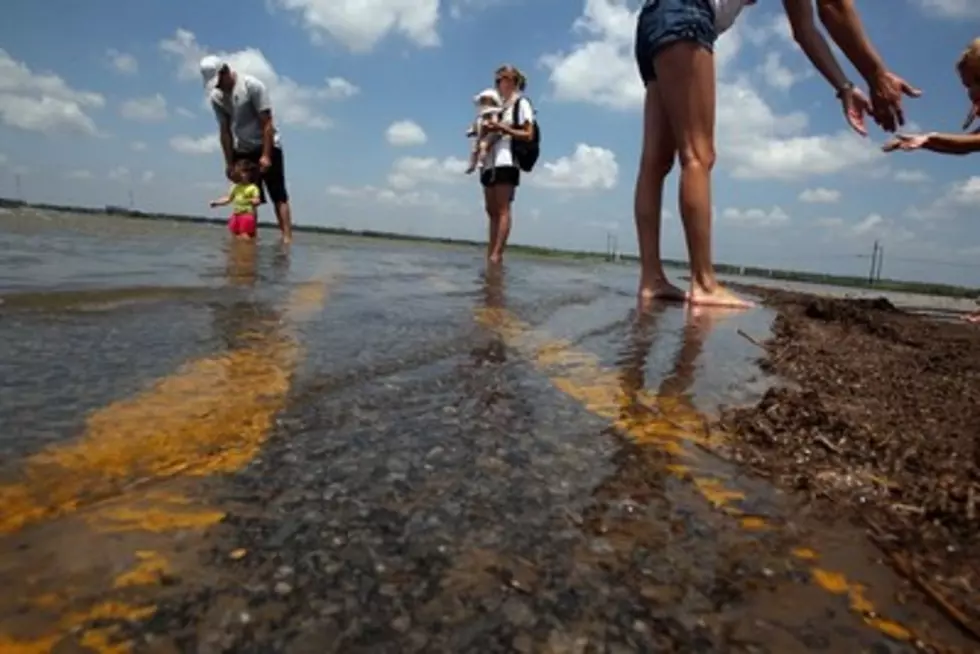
<point>726,11</point>
<point>500,155</point>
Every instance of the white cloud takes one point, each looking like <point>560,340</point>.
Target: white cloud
<point>775,74</point>
<point>79,174</point>
<point>755,142</point>
<point>588,168</point>
<point>122,62</point>
<point>875,226</point>
<point>293,103</point>
<point>958,198</point>
<point>820,195</point>
<point>183,112</point>
<point>207,144</point>
<point>388,196</point>
<point>965,193</point>
<point>147,176</point>
<point>955,9</point>
<point>152,109</point>
<point>337,88</point>
<point>119,174</point>
<point>138,146</point>
<point>409,172</point>
<point>43,102</point>
<point>405,133</point>
<point>360,24</point>
<point>870,222</point>
<point>911,176</point>
<point>756,217</point>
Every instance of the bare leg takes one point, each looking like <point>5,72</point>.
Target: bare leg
<point>285,218</point>
<point>494,225</point>
<point>686,73</point>
<point>503,196</point>
<point>656,161</point>
<point>474,158</point>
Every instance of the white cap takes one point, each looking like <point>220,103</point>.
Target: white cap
<point>487,94</point>
<point>210,66</point>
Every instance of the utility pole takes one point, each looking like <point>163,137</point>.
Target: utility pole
<point>874,264</point>
<point>132,202</point>
<point>20,191</point>
<point>881,262</point>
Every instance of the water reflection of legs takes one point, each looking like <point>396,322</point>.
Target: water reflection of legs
<point>492,299</point>
<point>241,265</point>
<point>242,322</point>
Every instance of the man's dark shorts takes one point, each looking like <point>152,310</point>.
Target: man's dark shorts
<point>663,22</point>
<point>273,179</point>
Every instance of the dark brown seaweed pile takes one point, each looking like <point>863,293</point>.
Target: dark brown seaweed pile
<point>881,416</point>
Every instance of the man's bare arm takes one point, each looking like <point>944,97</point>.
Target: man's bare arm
<point>843,23</point>
<point>268,133</point>
<point>227,140</point>
<point>811,41</point>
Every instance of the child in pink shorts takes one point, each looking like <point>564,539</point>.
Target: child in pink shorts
<point>245,198</point>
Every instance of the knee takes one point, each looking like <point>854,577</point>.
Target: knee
<point>701,155</point>
<point>657,166</point>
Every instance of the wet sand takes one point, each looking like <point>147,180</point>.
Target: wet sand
<point>351,446</point>
<point>879,422</point>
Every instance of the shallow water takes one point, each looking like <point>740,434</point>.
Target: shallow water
<point>356,445</point>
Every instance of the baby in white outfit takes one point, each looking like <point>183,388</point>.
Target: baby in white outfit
<point>488,108</point>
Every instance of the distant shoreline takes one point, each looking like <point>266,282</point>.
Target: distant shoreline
<point>843,281</point>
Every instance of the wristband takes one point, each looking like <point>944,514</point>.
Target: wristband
<point>846,87</point>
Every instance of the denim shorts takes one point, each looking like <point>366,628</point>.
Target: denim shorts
<point>663,22</point>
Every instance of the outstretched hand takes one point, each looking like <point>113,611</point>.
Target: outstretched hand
<point>906,142</point>
<point>856,105</point>
<point>887,90</point>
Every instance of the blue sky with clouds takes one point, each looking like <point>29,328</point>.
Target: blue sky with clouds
<point>98,100</point>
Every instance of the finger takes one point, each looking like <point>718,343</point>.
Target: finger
<point>899,114</point>
<point>910,90</point>
<point>856,120</point>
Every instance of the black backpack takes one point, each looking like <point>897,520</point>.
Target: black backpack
<point>526,153</point>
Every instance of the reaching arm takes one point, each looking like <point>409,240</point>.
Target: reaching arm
<point>222,201</point>
<point>844,26</point>
<point>224,134</point>
<point>263,105</point>
<point>952,143</point>
<point>268,134</point>
<point>813,44</point>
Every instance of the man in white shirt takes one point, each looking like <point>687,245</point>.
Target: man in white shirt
<point>243,109</point>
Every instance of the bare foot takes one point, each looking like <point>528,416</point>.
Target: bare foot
<point>974,318</point>
<point>287,239</point>
<point>717,297</point>
<point>660,289</point>
<point>495,258</point>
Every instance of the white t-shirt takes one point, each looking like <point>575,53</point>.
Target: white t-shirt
<point>726,11</point>
<point>243,105</point>
<point>500,155</point>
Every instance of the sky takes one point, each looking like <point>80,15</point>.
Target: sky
<point>372,98</point>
